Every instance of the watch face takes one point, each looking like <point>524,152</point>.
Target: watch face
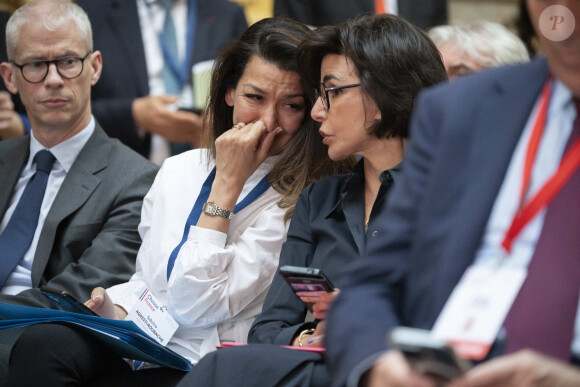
<point>209,208</point>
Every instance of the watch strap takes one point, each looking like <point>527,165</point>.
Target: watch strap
<point>211,209</point>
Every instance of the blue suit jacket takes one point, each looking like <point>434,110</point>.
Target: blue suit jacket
<point>462,138</point>
<point>117,34</point>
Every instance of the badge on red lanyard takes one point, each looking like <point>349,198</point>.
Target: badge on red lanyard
<point>477,307</point>
<point>570,162</point>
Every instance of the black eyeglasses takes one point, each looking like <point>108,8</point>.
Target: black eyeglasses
<point>323,93</point>
<point>68,67</point>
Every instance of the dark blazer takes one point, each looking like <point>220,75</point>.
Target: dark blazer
<point>326,232</point>
<point>117,34</point>
<point>423,13</point>
<point>461,145</point>
<point>90,236</point>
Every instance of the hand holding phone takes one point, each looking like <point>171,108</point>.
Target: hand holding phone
<point>65,301</point>
<point>427,355</point>
<point>309,284</point>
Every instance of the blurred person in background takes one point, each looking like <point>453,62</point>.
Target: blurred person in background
<point>150,47</point>
<point>467,48</point>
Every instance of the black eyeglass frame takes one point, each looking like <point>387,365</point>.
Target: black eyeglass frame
<point>326,99</point>
<point>48,63</point>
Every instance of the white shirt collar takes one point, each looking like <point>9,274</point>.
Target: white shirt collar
<point>67,151</point>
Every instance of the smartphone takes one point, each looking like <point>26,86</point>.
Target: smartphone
<point>427,355</point>
<point>66,302</point>
<point>307,283</point>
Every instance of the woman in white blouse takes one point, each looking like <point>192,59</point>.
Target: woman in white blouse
<point>214,220</point>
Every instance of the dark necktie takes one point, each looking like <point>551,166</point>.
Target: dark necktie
<point>544,313</point>
<point>19,232</point>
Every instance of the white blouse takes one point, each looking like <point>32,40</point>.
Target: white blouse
<point>219,281</point>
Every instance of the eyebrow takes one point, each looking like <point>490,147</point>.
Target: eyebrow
<point>257,89</point>
<point>329,77</point>
<point>42,58</point>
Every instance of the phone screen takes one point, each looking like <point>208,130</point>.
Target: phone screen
<point>308,284</point>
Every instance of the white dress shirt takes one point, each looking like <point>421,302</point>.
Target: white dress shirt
<point>560,119</point>
<point>219,281</point>
<point>65,153</point>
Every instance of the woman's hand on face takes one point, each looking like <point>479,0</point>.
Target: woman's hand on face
<point>101,304</point>
<point>321,307</point>
<point>240,151</point>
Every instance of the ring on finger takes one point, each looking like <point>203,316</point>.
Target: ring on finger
<point>238,126</point>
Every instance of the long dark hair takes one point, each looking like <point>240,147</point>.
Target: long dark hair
<point>304,159</point>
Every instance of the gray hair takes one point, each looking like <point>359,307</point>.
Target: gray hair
<point>51,13</point>
<point>487,43</point>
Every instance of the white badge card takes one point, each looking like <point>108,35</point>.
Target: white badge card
<point>476,309</point>
<point>153,318</point>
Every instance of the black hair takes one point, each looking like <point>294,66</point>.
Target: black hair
<point>393,59</point>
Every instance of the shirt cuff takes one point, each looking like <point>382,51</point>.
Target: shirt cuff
<point>200,234</point>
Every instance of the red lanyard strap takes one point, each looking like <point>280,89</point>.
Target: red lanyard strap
<point>550,189</point>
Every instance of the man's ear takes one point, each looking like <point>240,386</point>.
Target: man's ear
<point>96,63</point>
<point>6,70</point>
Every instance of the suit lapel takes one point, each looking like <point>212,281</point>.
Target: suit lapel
<point>11,163</point>
<point>200,40</point>
<point>123,19</point>
<point>492,127</point>
<point>497,126</point>
<point>79,183</point>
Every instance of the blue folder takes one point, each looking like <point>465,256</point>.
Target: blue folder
<point>123,337</point>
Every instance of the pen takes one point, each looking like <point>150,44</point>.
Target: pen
<point>315,339</point>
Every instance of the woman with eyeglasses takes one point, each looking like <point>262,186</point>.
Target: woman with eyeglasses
<point>367,73</point>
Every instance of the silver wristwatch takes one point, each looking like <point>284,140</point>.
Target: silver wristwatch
<point>211,209</point>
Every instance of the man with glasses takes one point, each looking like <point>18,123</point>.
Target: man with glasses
<point>70,196</point>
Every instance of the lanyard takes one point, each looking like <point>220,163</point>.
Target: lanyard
<point>195,213</point>
<point>180,71</point>
<point>570,162</point>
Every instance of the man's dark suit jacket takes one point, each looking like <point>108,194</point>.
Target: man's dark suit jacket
<point>463,135</point>
<point>424,13</point>
<point>90,236</point>
<point>117,34</point>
